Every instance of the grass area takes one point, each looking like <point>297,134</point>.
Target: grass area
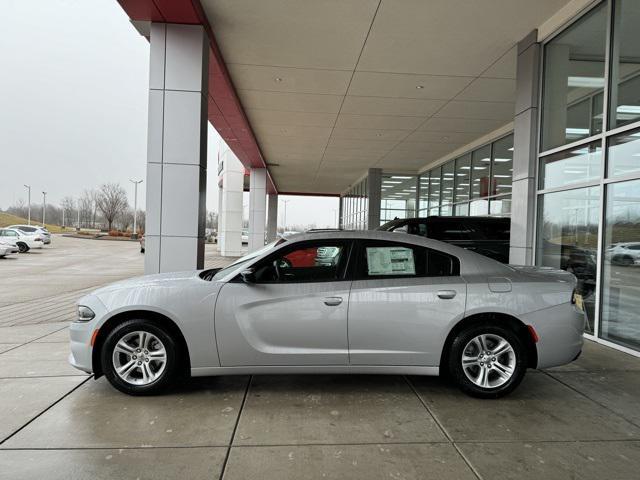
<point>7,219</point>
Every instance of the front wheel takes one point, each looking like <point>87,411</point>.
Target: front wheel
<point>487,361</point>
<point>22,247</point>
<point>139,358</point>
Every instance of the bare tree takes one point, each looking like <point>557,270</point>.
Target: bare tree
<point>112,201</point>
<point>125,219</point>
<point>68,205</point>
<point>85,204</point>
<point>142,220</point>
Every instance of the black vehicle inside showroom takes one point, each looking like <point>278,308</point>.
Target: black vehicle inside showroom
<point>488,236</point>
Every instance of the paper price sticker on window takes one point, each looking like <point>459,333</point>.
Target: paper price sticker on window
<point>390,261</point>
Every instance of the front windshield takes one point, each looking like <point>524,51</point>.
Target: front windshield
<point>237,265</point>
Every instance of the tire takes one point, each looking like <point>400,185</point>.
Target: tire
<point>22,247</point>
<point>138,379</point>
<point>501,373</point>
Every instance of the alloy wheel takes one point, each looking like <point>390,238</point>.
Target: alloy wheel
<point>139,358</point>
<point>488,360</point>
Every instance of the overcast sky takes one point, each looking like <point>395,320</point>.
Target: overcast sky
<point>73,105</point>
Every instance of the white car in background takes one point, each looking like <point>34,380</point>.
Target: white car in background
<point>624,253</point>
<point>23,241</point>
<point>245,236</point>
<point>7,249</point>
<point>34,230</point>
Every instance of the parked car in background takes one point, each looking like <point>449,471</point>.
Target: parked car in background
<point>142,244</point>
<point>488,236</point>
<point>624,253</point>
<point>23,241</point>
<point>7,249</point>
<point>334,302</point>
<point>35,230</point>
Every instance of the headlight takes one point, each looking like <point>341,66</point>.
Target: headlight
<point>85,313</point>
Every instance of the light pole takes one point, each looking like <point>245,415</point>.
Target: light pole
<point>135,208</point>
<point>44,206</point>
<point>78,226</point>
<point>28,187</point>
<point>285,213</point>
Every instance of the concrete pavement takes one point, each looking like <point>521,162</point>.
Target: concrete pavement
<point>578,421</point>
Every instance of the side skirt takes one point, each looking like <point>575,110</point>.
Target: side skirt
<point>316,369</point>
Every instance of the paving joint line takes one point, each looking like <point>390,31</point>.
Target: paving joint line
<point>235,428</point>
<point>443,429</point>
<point>592,400</point>
<point>45,410</point>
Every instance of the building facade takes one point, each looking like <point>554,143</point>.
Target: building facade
<point>566,170</point>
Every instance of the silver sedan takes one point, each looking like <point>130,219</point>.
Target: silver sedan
<point>334,302</point>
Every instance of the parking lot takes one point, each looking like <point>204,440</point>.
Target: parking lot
<point>578,421</point>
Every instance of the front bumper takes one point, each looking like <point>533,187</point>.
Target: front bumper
<point>81,333</point>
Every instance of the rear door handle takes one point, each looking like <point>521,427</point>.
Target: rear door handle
<point>446,294</point>
<point>333,301</point>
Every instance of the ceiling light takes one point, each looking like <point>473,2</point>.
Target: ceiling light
<point>419,87</point>
<point>510,149</point>
<point>277,79</point>
<point>499,160</point>
<point>398,176</point>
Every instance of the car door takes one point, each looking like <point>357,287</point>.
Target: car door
<point>293,311</point>
<point>9,236</point>
<point>403,300</point>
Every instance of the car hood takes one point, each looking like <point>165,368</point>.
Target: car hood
<point>156,280</point>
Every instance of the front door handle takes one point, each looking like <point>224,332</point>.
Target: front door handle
<point>446,294</point>
<point>333,301</point>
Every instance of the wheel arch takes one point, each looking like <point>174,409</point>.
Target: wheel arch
<point>111,323</point>
<point>514,323</point>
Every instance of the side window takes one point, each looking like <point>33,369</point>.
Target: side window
<point>308,262</point>
<point>417,228</point>
<point>382,259</point>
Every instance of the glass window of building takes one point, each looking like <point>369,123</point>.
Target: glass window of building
<point>619,320</point>
<point>448,182</point>
<point>625,64</point>
<point>568,238</point>
<point>480,171</point>
<point>423,201</point>
<point>624,154</point>
<point>463,178</point>
<point>574,77</point>
<point>398,199</point>
<point>434,191</point>
<point>502,166</point>
<point>576,165</point>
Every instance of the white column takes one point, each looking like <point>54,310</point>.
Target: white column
<point>177,148</point>
<point>523,191</point>
<point>230,233</point>
<point>272,217</point>
<point>257,207</point>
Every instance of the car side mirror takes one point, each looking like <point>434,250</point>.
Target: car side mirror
<point>248,275</point>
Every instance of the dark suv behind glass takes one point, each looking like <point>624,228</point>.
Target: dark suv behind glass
<point>488,236</point>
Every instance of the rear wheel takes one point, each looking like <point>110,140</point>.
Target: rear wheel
<point>139,358</point>
<point>22,247</point>
<point>487,361</point>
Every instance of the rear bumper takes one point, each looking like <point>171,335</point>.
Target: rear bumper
<point>560,331</point>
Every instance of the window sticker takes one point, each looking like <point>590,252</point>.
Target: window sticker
<point>390,261</point>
